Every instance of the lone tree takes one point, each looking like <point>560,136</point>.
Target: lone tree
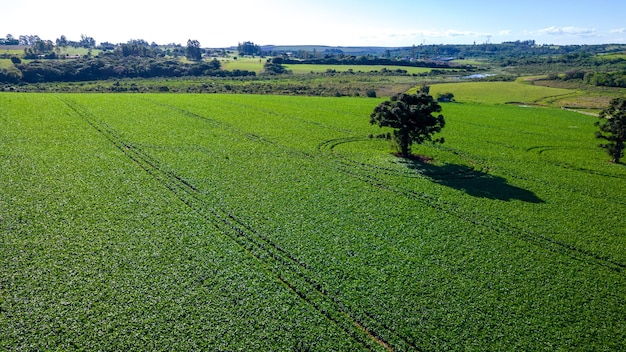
<point>613,128</point>
<point>412,117</point>
<point>193,52</point>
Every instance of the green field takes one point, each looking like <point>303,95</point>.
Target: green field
<point>247,64</point>
<point>501,92</point>
<point>16,52</point>
<point>252,222</point>
<point>612,56</point>
<point>5,63</point>
<point>256,65</point>
<point>307,68</point>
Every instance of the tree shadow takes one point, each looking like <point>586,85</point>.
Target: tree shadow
<point>473,182</point>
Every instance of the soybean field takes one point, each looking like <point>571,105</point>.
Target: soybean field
<point>257,222</point>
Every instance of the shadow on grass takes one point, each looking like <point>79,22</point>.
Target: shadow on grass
<point>473,182</point>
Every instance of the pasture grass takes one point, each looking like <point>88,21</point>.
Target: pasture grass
<point>308,68</point>
<point>501,92</point>
<point>15,52</point>
<point>262,222</point>
<point>72,51</point>
<point>247,64</point>
<point>256,65</point>
<point>5,63</point>
<point>470,62</point>
<point>611,56</point>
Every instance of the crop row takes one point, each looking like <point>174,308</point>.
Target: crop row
<point>571,171</point>
<point>466,174</point>
<point>276,126</point>
<point>288,269</point>
<point>96,255</point>
<point>469,251</point>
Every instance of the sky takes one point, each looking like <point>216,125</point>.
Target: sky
<point>388,23</point>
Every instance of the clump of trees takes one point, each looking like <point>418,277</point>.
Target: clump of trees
<point>9,40</point>
<point>10,75</point>
<point>606,79</point>
<point>414,119</point>
<point>111,66</point>
<point>274,66</point>
<point>137,47</point>
<point>445,97</point>
<point>39,48</point>
<point>248,48</point>
<point>134,59</point>
<point>594,78</point>
<point>194,52</point>
<point>612,126</point>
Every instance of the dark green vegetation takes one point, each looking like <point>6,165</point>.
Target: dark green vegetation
<point>111,67</point>
<point>598,65</point>
<point>193,52</point>
<point>226,222</point>
<point>411,117</point>
<point>332,84</point>
<point>613,128</point>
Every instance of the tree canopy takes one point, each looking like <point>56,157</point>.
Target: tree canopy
<point>194,52</point>
<point>273,66</point>
<point>613,128</point>
<point>248,48</point>
<point>411,115</point>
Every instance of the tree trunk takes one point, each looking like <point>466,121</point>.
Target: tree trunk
<point>405,145</point>
<point>619,147</point>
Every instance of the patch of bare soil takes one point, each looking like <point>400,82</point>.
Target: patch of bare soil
<point>589,102</point>
<point>558,84</point>
<point>392,89</point>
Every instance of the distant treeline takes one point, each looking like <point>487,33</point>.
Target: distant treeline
<point>602,79</point>
<point>111,67</point>
<point>516,49</point>
<point>365,60</point>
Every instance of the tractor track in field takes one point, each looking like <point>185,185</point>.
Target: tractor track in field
<point>498,225</point>
<point>545,149</point>
<point>479,168</point>
<point>367,320</point>
<point>362,171</point>
<point>540,150</point>
<point>476,170</point>
<point>369,331</point>
<point>291,272</point>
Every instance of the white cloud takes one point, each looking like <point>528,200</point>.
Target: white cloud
<point>569,30</point>
<point>455,33</point>
<point>393,37</point>
<point>618,30</point>
<point>505,32</point>
<point>450,33</point>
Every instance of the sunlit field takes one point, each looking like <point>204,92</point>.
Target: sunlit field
<point>305,68</point>
<point>256,65</point>
<point>500,92</point>
<point>258,222</point>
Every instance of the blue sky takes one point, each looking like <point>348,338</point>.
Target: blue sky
<point>321,22</point>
